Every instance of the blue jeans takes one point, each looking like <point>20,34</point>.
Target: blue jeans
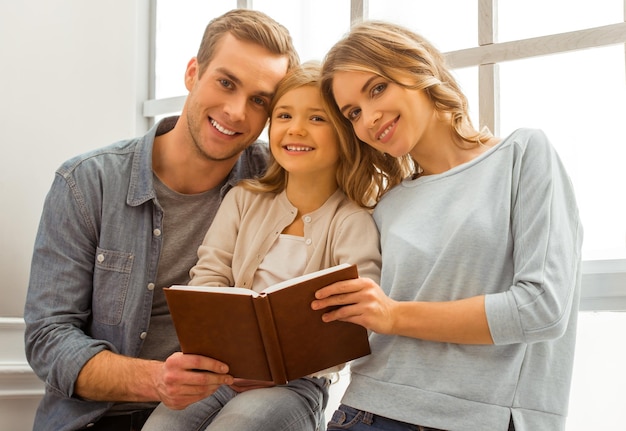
<point>296,406</point>
<point>348,418</point>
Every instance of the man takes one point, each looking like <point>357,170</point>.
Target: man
<point>122,222</point>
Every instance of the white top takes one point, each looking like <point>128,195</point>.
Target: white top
<point>286,259</point>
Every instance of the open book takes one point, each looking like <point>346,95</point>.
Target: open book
<point>274,335</point>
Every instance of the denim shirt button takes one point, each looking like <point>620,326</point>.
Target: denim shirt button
<point>100,258</point>
<point>143,335</point>
<point>307,219</point>
<point>150,286</point>
<point>157,232</point>
<point>308,241</point>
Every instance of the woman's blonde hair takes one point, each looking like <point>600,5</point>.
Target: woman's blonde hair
<point>352,180</point>
<point>407,59</point>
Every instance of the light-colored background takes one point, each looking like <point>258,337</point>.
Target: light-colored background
<point>74,76</point>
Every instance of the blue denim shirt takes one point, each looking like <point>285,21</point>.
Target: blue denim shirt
<point>94,266</point>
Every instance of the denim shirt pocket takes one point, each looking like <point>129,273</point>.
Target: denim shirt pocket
<point>110,280</point>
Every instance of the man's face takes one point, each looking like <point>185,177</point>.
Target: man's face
<point>227,107</point>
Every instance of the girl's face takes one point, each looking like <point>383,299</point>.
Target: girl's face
<point>391,118</point>
<point>302,139</point>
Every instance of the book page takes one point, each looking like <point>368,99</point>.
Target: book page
<point>309,276</point>
<point>217,289</point>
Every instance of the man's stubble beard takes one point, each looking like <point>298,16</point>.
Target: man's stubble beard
<point>197,143</point>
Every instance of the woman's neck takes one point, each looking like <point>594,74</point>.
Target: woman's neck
<point>441,149</point>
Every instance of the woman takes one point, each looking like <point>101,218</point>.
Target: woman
<point>474,319</point>
<point>294,220</point>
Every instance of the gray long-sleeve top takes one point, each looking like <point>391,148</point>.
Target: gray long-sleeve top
<point>504,225</point>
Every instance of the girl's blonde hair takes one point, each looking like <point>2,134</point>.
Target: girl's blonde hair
<point>351,179</point>
<point>406,59</point>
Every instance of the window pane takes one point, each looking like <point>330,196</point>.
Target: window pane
<point>179,29</point>
<point>467,78</point>
<point>532,18</point>
<point>597,395</point>
<point>315,25</point>
<point>180,26</point>
<point>448,24</point>
<point>578,100</point>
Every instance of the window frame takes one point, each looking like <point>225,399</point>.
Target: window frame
<point>603,281</point>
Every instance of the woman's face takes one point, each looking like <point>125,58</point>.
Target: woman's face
<point>302,139</point>
<point>391,118</point>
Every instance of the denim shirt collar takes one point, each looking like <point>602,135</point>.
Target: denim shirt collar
<point>141,188</point>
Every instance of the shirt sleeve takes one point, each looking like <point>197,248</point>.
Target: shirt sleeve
<point>547,237</point>
<point>58,303</point>
<point>357,242</point>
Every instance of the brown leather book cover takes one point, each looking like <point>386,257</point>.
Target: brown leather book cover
<point>273,336</point>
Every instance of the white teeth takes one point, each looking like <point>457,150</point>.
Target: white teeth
<point>293,148</point>
<point>382,135</point>
<point>221,128</point>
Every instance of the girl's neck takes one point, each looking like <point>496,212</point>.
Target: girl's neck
<point>307,195</point>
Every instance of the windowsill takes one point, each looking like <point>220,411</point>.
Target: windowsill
<point>603,285</point>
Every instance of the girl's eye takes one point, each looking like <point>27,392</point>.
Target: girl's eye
<point>283,116</point>
<point>318,118</point>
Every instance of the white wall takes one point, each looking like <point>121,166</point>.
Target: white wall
<point>72,78</point>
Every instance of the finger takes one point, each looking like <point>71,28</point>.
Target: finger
<point>346,313</point>
<point>202,363</point>
<point>338,288</point>
<point>332,301</point>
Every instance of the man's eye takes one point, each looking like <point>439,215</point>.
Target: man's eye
<point>226,83</point>
<point>258,101</point>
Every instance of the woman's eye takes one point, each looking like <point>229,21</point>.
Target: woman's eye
<point>353,114</point>
<point>379,88</point>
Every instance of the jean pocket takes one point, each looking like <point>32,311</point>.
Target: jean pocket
<point>111,279</point>
<point>344,418</point>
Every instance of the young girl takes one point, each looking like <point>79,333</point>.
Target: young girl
<point>474,320</point>
<point>296,219</point>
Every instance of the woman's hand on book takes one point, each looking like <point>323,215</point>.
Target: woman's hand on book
<point>360,301</point>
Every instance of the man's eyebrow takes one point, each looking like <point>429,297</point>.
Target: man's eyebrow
<point>363,90</point>
<point>229,75</point>
<point>237,81</point>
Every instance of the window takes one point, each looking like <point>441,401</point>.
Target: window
<point>558,65</point>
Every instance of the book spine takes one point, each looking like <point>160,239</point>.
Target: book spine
<point>270,339</point>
